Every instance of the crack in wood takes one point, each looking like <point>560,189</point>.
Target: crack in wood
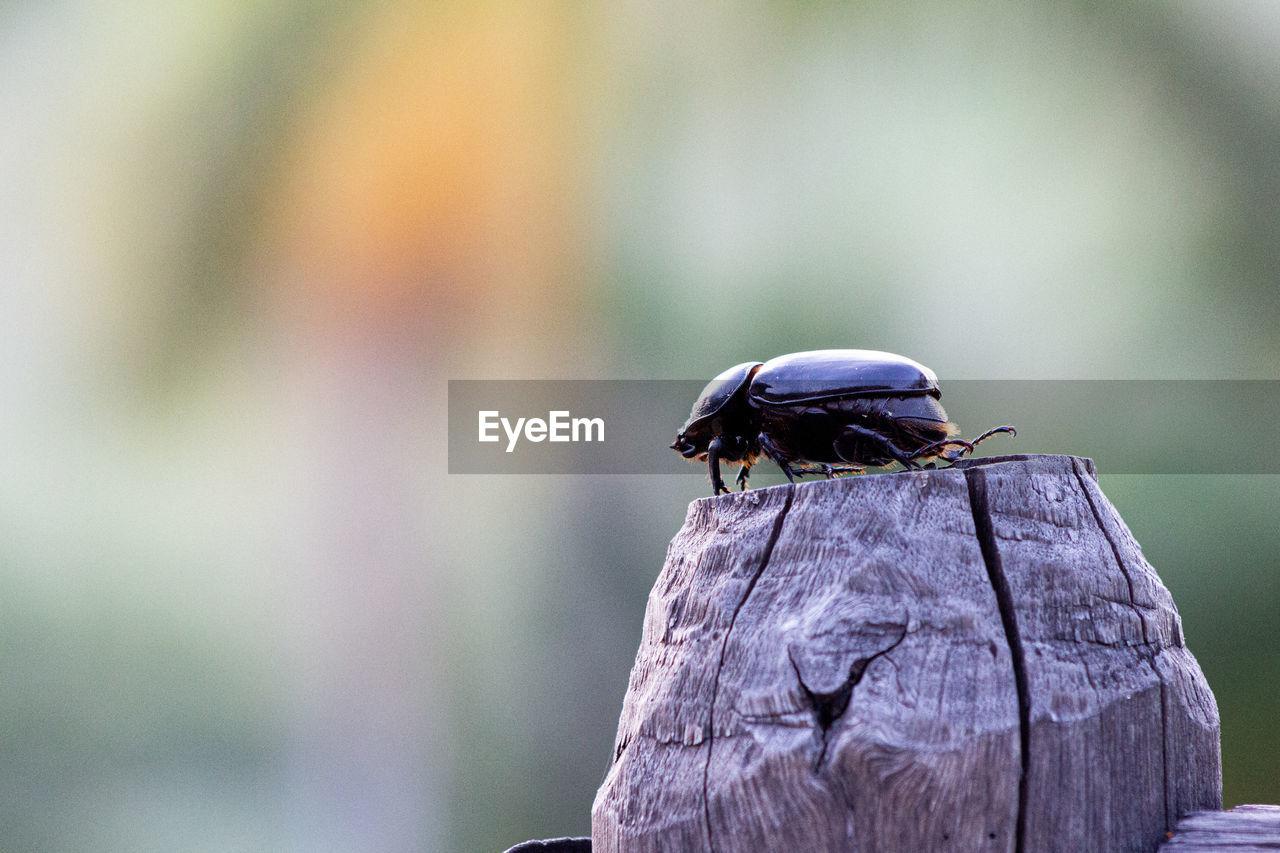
<point>1169,818</point>
<point>1115,552</point>
<point>830,706</point>
<point>724,646</point>
<point>985,531</point>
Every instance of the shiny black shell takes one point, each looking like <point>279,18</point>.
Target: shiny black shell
<point>838,374</point>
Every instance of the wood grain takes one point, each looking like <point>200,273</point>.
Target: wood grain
<point>1244,829</point>
<point>972,658</point>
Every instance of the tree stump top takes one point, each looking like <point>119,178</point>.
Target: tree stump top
<point>1244,829</point>
<point>969,658</point>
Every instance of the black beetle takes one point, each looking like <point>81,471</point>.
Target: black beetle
<point>824,412</point>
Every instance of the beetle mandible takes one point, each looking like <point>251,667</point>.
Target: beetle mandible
<point>824,412</point>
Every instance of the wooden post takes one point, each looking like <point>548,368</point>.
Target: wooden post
<point>1244,829</point>
<point>971,658</point>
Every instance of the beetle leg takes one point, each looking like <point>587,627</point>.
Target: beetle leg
<point>932,449</point>
<point>713,465</point>
<point>771,450</point>
<point>832,471</point>
<point>887,447</point>
<point>995,430</point>
<point>966,447</point>
<point>742,477</point>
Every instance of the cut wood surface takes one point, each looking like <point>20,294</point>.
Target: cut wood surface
<point>970,658</point>
<point>1241,830</point>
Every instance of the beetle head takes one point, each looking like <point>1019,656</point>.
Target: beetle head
<point>717,413</point>
<point>736,443</point>
<point>690,442</point>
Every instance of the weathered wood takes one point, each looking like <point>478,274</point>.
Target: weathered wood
<point>553,845</point>
<point>973,658</point>
<point>1241,830</point>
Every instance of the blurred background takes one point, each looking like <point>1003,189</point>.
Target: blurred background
<point>244,246</point>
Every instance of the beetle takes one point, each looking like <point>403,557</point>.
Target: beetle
<point>825,412</point>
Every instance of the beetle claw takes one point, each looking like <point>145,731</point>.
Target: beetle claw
<point>995,430</point>
<point>959,447</point>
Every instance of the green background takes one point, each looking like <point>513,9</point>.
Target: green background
<point>245,245</point>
